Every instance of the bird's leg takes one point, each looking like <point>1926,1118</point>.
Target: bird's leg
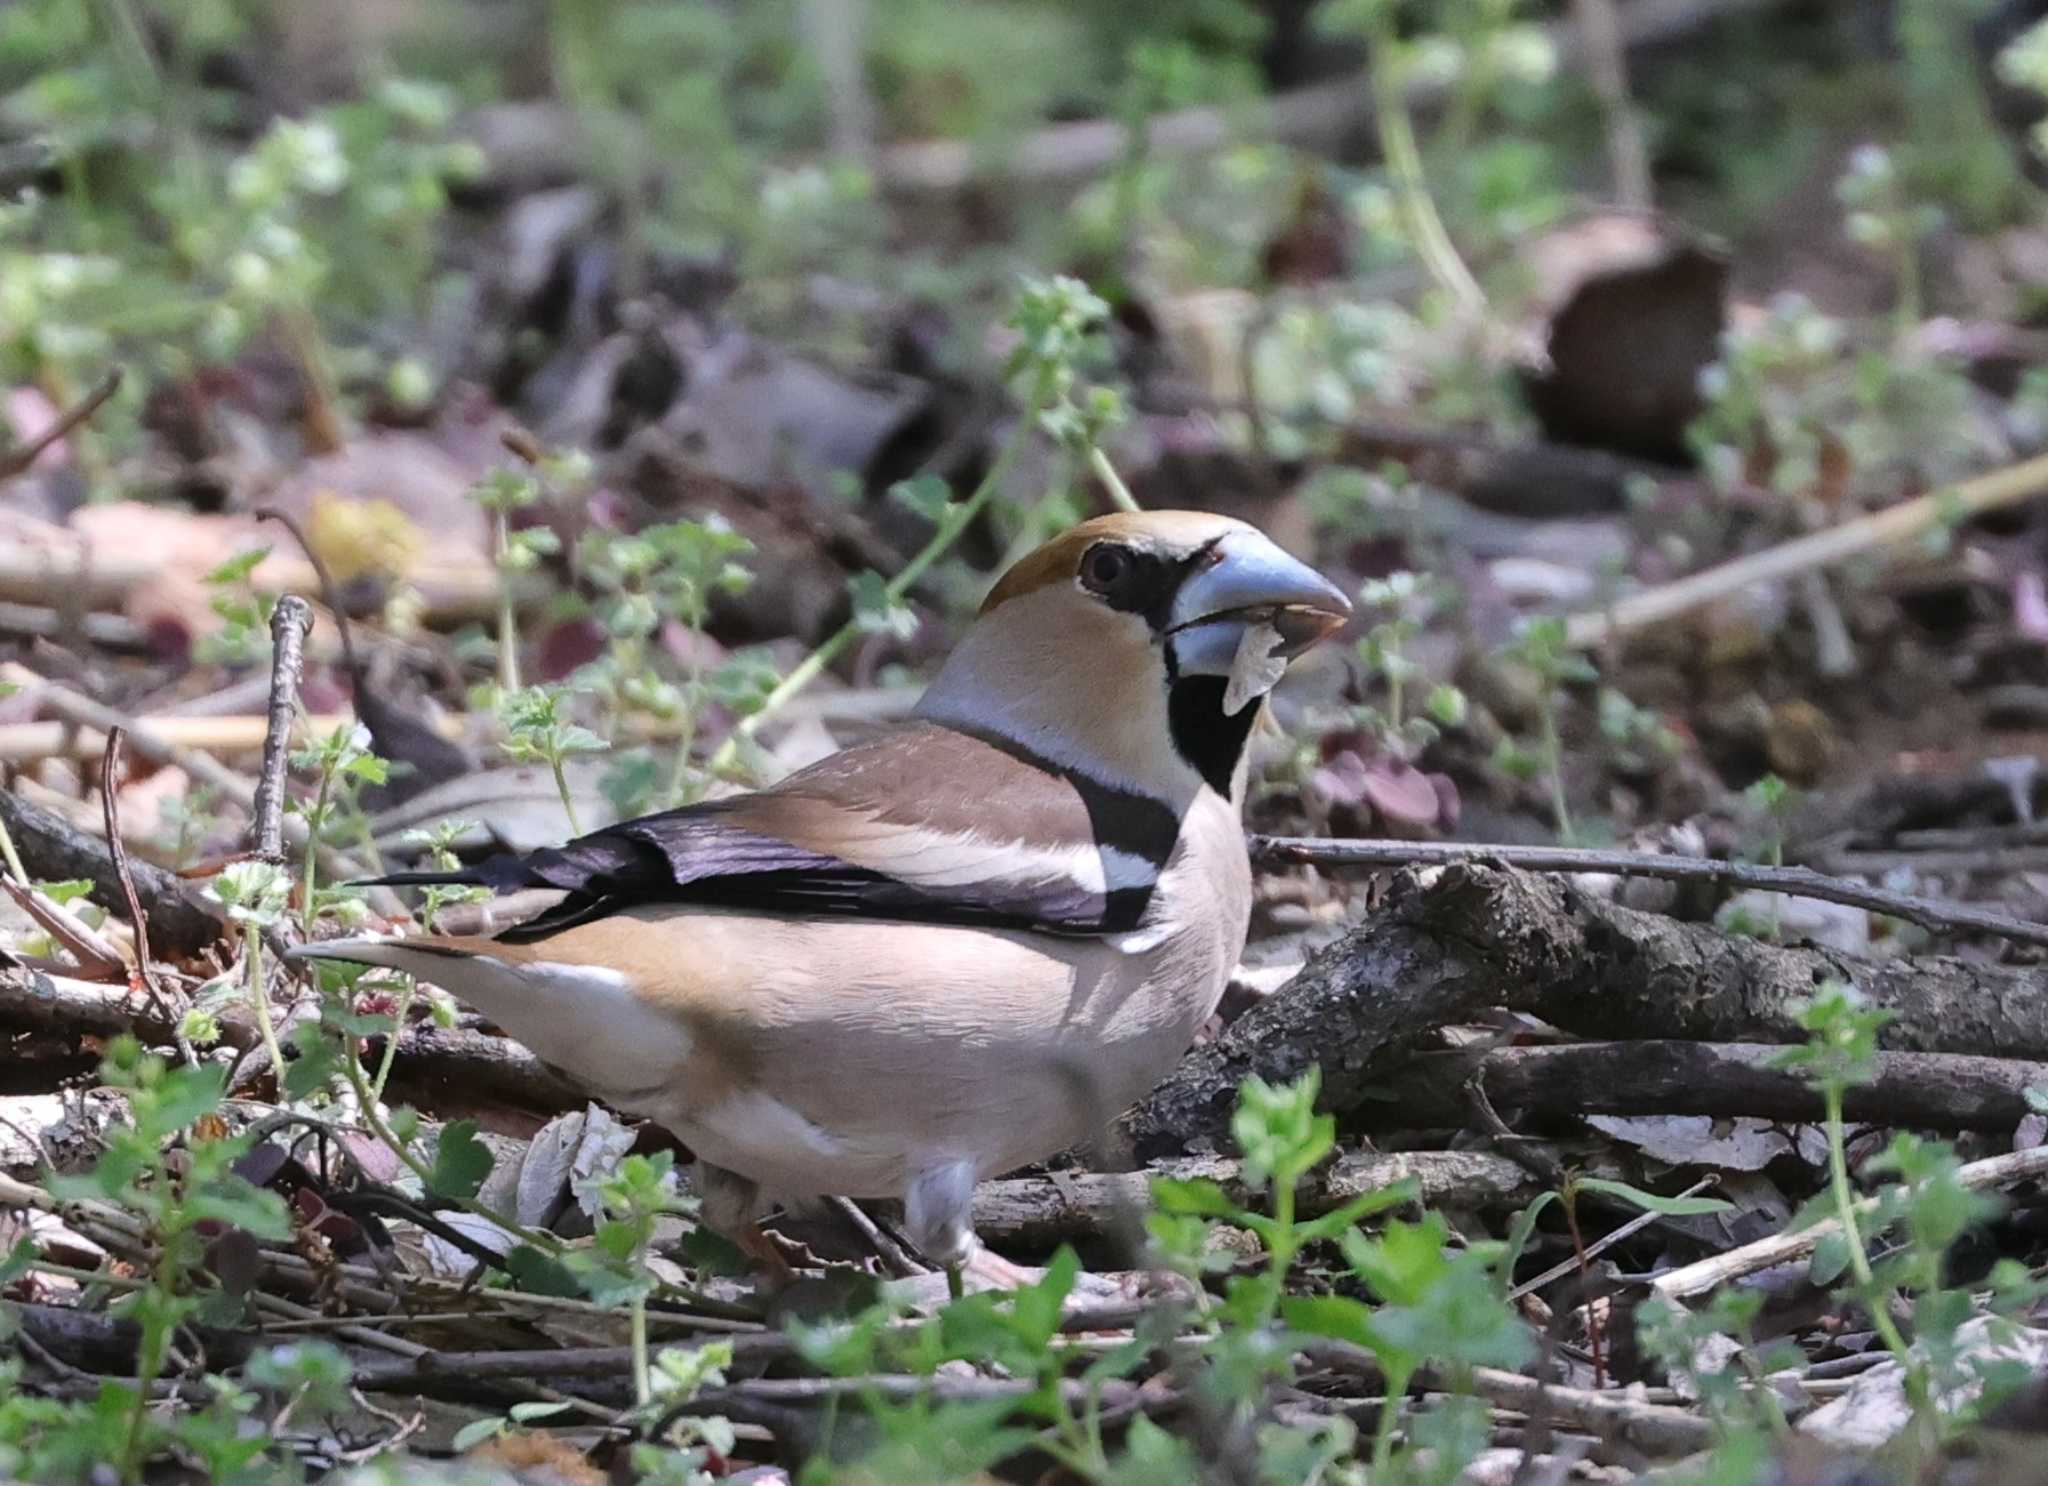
<point>730,1206</point>
<point>937,1211</point>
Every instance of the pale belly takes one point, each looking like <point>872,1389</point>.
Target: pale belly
<point>847,1057</point>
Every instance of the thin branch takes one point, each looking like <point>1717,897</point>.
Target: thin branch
<point>289,623</point>
<point>1783,1248</point>
<point>142,976</point>
<point>1799,882</point>
<point>15,461</point>
<point>1889,527</point>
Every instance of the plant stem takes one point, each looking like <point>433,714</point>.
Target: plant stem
<point>14,866</point>
<point>1411,185</point>
<point>1873,1298</point>
<point>1553,767</point>
<point>259,998</point>
<point>813,665</point>
<point>508,618</point>
<point>1390,1417</point>
<point>352,1068</point>
<point>562,787</point>
<point>405,999</point>
<point>149,1360</point>
<point>693,702</point>
<point>314,821</point>
<point>642,1389</point>
<point>1119,493</point>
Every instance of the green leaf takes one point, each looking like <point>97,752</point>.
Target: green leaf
<point>461,1162</point>
<point>538,1274</point>
<point>1195,1196</point>
<point>1339,1219</point>
<point>18,1259</point>
<point>1519,1233</point>
<point>475,1432</point>
<point>1335,1316</point>
<point>526,1413</point>
<point>238,567</point>
<point>1830,1259</point>
<point>1670,1207</point>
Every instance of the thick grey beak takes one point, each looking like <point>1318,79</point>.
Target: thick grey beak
<point>1250,581</point>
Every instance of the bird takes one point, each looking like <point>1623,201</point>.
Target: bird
<point>945,952</point>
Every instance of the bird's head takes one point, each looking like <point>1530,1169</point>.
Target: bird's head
<point>1137,648</point>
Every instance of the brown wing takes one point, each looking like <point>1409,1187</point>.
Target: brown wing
<point>927,823</point>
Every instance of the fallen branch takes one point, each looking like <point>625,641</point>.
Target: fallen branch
<point>1783,1248</point>
<point>1889,527</point>
<point>1041,1212</point>
<point>1798,882</point>
<point>1452,942</point>
<point>1941,1091</point>
<point>54,850</point>
<point>70,1007</point>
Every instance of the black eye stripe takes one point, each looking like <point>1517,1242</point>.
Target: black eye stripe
<point>1148,582</point>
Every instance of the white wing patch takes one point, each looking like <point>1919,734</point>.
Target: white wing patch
<point>935,859</point>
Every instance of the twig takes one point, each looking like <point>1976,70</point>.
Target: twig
<point>1599,1246</point>
<point>1798,882</point>
<point>15,461</point>
<point>96,957</point>
<point>1889,527</point>
<point>289,623</point>
<point>1782,1248</point>
<point>138,921</point>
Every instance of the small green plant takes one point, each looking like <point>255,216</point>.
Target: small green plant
<point>255,895</point>
<point>1840,1052</point>
<point>1883,218</point>
<point>343,764</point>
<point>1057,323</point>
<point>136,1172</point>
<point>538,731</point>
<point>501,493</point>
<point>664,573</point>
<point>243,636</point>
<point>1383,651</point>
<point>1543,650</point>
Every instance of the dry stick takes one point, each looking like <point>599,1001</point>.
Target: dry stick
<point>289,623</point>
<point>15,461</point>
<point>1783,1248</point>
<point>83,712</point>
<point>1800,882</point>
<point>24,742</point>
<point>1895,524</point>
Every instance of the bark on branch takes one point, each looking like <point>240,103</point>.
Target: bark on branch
<point>1448,944</point>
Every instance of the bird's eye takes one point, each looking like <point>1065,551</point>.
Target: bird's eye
<point>1105,566</point>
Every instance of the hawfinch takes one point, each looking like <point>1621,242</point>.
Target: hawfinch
<point>950,951</point>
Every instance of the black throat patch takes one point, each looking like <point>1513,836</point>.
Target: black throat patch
<point>1210,739</point>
